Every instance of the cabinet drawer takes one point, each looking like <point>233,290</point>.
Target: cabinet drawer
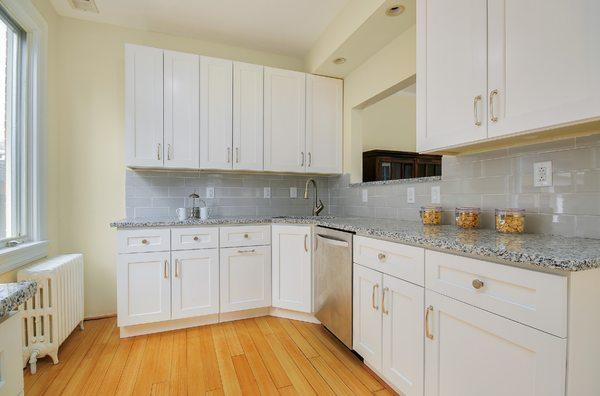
<point>245,236</point>
<point>194,238</point>
<point>144,240</point>
<point>400,261</point>
<point>533,298</point>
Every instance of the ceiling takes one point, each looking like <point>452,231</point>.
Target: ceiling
<point>288,27</point>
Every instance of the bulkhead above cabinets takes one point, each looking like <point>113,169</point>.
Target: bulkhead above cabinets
<point>185,111</point>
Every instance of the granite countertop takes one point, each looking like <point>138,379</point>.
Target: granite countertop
<point>544,252</point>
<point>14,294</point>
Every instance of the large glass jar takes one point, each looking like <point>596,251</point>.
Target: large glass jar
<point>510,221</point>
<point>431,215</point>
<point>467,217</point>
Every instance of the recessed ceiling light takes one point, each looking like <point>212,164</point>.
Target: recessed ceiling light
<point>339,61</point>
<point>395,10</point>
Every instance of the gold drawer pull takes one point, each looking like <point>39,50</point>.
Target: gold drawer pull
<point>144,241</point>
<point>478,284</point>
<point>428,333</point>
<point>196,238</point>
<point>381,256</point>
<point>246,236</point>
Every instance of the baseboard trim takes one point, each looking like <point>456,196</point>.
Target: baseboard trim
<point>111,315</point>
<point>286,313</point>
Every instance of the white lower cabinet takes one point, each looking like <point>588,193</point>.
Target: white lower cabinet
<point>11,355</point>
<point>195,283</point>
<point>245,278</point>
<point>292,267</point>
<point>388,328</point>
<point>472,352</point>
<point>144,288</point>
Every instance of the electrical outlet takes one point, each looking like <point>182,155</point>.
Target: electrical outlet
<point>435,194</point>
<point>267,192</point>
<point>410,195</point>
<point>293,192</point>
<point>210,192</point>
<point>542,174</point>
<point>365,195</point>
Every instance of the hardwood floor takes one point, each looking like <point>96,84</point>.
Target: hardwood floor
<point>269,356</point>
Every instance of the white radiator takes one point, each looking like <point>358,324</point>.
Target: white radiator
<point>55,309</point>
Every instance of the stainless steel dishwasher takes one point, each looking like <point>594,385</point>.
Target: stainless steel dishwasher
<point>333,280</point>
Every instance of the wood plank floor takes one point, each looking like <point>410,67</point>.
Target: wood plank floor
<point>268,356</point>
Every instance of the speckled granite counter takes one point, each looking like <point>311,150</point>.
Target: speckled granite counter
<point>543,252</point>
<point>14,294</point>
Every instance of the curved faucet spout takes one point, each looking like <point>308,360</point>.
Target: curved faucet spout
<point>318,206</point>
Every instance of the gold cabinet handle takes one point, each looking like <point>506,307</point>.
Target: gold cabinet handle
<point>493,116</point>
<point>228,154</point>
<point>385,311</point>
<point>237,155</point>
<point>246,236</point>
<point>196,239</point>
<point>428,333</point>
<point>381,256</point>
<point>306,243</point>
<point>159,151</point>
<point>476,101</point>
<point>144,241</point>
<point>247,251</point>
<point>309,159</point>
<point>169,152</point>
<point>176,268</point>
<point>477,284</point>
<point>375,286</point>
<point>302,158</point>
<point>166,269</point>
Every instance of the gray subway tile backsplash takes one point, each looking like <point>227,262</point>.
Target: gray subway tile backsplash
<point>500,178</point>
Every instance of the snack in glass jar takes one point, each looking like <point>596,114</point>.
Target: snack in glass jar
<point>510,221</point>
<point>467,217</point>
<point>431,215</point>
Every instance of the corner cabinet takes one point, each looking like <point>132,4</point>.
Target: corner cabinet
<point>504,69</point>
<point>292,267</point>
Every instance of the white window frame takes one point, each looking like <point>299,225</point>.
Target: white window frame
<point>35,129</point>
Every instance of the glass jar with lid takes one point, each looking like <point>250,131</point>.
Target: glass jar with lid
<point>468,217</point>
<point>510,221</point>
<point>431,215</point>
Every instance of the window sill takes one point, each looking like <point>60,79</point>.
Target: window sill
<point>15,257</point>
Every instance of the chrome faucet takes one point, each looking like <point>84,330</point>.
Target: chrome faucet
<point>318,203</point>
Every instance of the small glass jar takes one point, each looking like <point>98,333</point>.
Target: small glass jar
<point>431,215</point>
<point>467,217</point>
<point>510,221</point>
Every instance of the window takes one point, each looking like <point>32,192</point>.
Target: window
<point>13,155</point>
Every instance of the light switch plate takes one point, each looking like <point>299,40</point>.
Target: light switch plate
<point>365,195</point>
<point>410,195</point>
<point>542,174</point>
<point>210,192</point>
<point>267,192</point>
<point>293,192</point>
<point>435,194</point>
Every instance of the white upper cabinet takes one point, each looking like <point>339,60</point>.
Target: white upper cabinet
<point>324,98</point>
<point>544,58</point>
<point>490,69</point>
<point>143,106</point>
<point>285,112</point>
<point>181,110</point>
<point>247,116</point>
<point>216,113</point>
<point>452,74</point>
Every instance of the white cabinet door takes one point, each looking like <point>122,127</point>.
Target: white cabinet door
<point>367,322</point>
<point>248,116</point>
<point>216,113</point>
<point>285,112</point>
<point>452,72</point>
<point>143,288</point>
<point>195,283</point>
<point>403,350</point>
<point>472,352</point>
<point>245,278</point>
<point>544,58</point>
<point>11,355</point>
<point>324,97</point>
<point>143,106</point>
<point>182,110</point>
<point>292,267</point>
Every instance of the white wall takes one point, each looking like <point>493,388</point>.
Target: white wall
<point>390,124</point>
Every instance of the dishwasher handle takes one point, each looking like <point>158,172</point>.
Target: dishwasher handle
<point>333,241</point>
